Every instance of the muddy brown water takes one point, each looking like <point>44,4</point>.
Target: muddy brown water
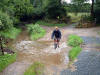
<point>29,51</point>
<point>42,50</point>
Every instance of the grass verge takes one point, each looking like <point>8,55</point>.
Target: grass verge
<point>74,52</point>
<point>74,40</point>
<point>6,59</point>
<point>35,69</point>
<point>12,33</point>
<point>41,22</point>
<point>35,31</point>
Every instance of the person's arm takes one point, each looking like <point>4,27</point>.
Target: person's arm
<point>52,35</point>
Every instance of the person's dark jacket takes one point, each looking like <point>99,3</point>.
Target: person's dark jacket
<point>56,34</point>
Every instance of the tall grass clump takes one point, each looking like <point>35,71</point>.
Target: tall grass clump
<point>74,40</point>
<point>35,31</point>
<point>11,33</point>
<point>6,59</point>
<point>35,69</point>
<point>73,53</point>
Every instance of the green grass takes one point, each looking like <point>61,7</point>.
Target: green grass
<point>38,35</point>
<point>35,31</point>
<point>41,22</point>
<point>5,60</point>
<point>74,40</point>
<point>76,17</point>
<point>35,69</point>
<point>74,52</point>
<point>12,33</point>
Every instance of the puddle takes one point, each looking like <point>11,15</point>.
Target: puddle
<point>66,59</point>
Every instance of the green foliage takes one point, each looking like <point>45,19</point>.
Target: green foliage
<point>97,11</point>
<point>5,21</point>
<point>74,40</point>
<point>6,59</point>
<point>73,53</point>
<point>87,18</point>
<point>56,7</point>
<point>35,69</point>
<point>35,31</point>
<point>22,8</point>
<point>41,22</point>
<point>76,17</point>
<point>80,5</point>
<point>12,33</point>
<point>74,8</point>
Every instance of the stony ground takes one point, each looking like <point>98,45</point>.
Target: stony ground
<point>56,60</point>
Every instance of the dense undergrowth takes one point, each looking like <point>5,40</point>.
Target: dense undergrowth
<point>73,53</point>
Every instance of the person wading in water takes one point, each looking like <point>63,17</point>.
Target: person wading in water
<point>56,35</point>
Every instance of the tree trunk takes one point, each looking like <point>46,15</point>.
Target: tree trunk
<point>92,8</point>
<point>1,47</point>
<point>2,50</point>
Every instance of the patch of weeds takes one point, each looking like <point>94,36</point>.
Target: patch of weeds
<point>35,31</point>
<point>6,59</point>
<point>74,40</point>
<point>35,69</point>
<point>73,53</point>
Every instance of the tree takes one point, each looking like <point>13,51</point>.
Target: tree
<point>79,3</point>
<point>97,11</point>
<point>5,24</point>
<point>54,9</point>
<point>92,8</point>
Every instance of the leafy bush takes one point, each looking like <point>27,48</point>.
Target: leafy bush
<point>87,18</point>
<point>12,33</point>
<point>21,9</point>
<point>74,40</point>
<point>35,69</point>
<point>73,53</point>
<point>5,21</point>
<point>6,59</point>
<point>57,8</point>
<point>35,31</point>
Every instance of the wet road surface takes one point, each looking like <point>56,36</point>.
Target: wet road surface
<point>88,60</point>
<point>88,64</point>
